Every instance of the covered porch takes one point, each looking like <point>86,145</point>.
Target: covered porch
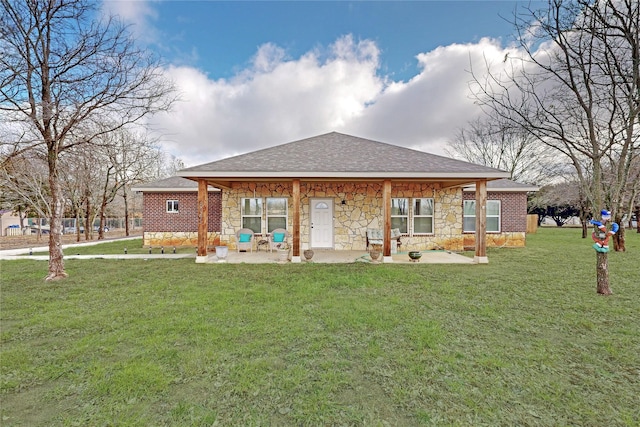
<point>328,190</point>
<point>350,209</point>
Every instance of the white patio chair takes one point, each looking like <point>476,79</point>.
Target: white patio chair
<point>244,239</point>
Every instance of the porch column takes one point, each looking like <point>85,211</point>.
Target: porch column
<point>295,205</point>
<point>203,217</point>
<point>481,222</point>
<point>386,200</point>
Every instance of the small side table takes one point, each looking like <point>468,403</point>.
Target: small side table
<point>263,244</point>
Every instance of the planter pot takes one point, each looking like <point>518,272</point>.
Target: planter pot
<point>283,255</point>
<point>415,256</point>
<point>221,253</point>
<point>374,254</point>
<point>308,254</point>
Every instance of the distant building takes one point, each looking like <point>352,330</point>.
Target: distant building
<point>9,223</point>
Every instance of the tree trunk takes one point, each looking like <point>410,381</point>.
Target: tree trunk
<point>103,208</point>
<point>56,261</point>
<point>21,217</point>
<point>637,212</point>
<point>619,240</point>
<point>602,273</point>
<point>87,218</point>
<point>39,230</point>
<point>584,218</point>
<point>77,225</point>
<point>126,213</point>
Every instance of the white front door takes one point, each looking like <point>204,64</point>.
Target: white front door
<point>321,223</point>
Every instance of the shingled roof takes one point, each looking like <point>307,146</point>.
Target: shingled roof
<point>174,184</point>
<point>336,155</point>
<point>505,186</point>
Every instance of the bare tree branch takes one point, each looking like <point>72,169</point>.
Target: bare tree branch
<point>62,74</point>
<point>576,88</point>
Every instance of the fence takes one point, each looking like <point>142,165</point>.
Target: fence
<point>532,224</point>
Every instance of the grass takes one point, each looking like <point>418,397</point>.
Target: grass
<point>132,246</point>
<point>524,340</point>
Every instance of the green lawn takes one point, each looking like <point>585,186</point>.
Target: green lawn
<point>115,247</point>
<point>524,340</point>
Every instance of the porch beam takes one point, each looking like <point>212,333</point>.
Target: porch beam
<point>481,222</point>
<point>203,217</point>
<point>386,200</point>
<point>296,219</point>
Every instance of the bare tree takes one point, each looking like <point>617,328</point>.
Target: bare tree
<point>496,143</point>
<point>134,154</point>
<point>561,202</point>
<point>164,166</point>
<point>576,88</point>
<point>62,72</point>
<point>632,201</point>
<point>81,183</point>
<point>74,193</point>
<point>24,184</point>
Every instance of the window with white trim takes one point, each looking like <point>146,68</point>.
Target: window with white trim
<point>251,213</point>
<point>469,216</point>
<point>423,216</point>
<point>400,214</point>
<point>172,206</point>
<point>276,213</point>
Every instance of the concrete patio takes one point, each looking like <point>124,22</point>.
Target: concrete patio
<point>337,257</point>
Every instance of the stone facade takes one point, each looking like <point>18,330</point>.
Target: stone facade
<point>357,206</point>
<point>362,209</point>
<point>177,238</point>
<point>497,240</point>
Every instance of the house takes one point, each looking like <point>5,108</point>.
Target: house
<point>170,212</point>
<point>329,189</point>
<point>9,223</point>
<point>506,213</point>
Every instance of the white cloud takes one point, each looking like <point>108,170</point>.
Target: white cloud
<point>275,101</point>
<point>425,112</point>
<point>138,14</point>
<point>340,87</point>
<point>281,99</point>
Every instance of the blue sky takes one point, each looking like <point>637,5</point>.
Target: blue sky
<point>225,35</point>
<point>256,74</point>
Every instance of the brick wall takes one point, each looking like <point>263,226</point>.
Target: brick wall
<point>157,219</point>
<point>513,217</point>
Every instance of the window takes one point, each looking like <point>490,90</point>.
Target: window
<point>172,206</point>
<point>422,216</point>
<point>400,214</point>
<point>276,213</point>
<point>469,216</point>
<point>251,212</point>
